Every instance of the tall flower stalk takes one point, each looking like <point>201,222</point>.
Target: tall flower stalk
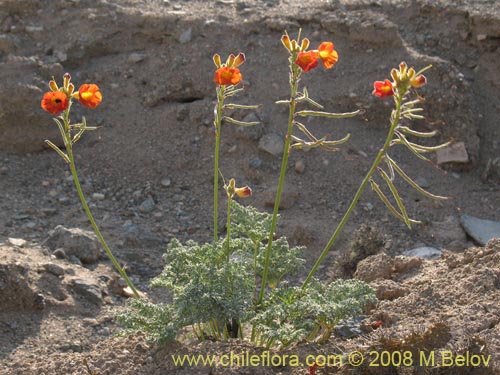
<point>403,80</point>
<point>227,77</point>
<point>60,100</point>
<point>300,60</point>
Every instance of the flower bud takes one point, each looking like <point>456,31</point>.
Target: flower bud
<point>53,85</point>
<point>243,192</point>
<point>66,79</point>
<point>395,75</point>
<point>230,60</point>
<point>411,73</point>
<point>217,61</point>
<point>402,70</point>
<point>285,39</point>
<point>418,81</point>
<point>304,44</point>
<point>71,89</point>
<point>240,59</point>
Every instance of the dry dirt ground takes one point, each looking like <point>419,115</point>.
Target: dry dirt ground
<point>147,171</point>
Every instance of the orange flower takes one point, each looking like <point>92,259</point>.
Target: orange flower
<point>89,95</point>
<point>243,192</point>
<point>383,88</point>
<point>327,54</point>
<point>55,102</point>
<point>307,60</point>
<point>227,76</point>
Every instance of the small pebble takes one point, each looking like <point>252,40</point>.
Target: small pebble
<point>98,196</point>
<point>300,166</point>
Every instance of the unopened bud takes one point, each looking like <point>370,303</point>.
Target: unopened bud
<point>419,81</point>
<point>304,44</point>
<point>285,39</point>
<point>53,85</point>
<point>71,88</point>
<point>243,192</point>
<point>217,61</point>
<point>67,78</point>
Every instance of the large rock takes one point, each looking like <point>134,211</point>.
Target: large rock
<point>74,241</point>
<point>24,126</point>
<point>481,230</point>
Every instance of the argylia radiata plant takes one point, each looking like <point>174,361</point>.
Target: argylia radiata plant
<point>242,285</point>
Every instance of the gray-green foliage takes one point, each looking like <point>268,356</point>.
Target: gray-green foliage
<point>291,314</point>
<point>205,283</point>
<point>211,288</point>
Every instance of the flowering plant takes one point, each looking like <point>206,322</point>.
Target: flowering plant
<point>239,285</point>
<point>59,100</point>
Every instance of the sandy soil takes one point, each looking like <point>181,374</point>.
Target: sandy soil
<point>152,60</point>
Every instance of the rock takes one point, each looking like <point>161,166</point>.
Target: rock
<point>481,230</point>
<point>128,293</point>
<point>251,133</point>
<point>447,232</point>
<point>147,205</point>
<point>455,153</point>
<point>87,290</point>
<point>19,242</point>
<point>378,266</point>
<point>59,253</point>
<point>186,36</point>
<point>404,264</point>
<point>272,143</point>
<point>54,269</point>
<point>136,57</point>
<point>255,163</point>
<point>349,328</point>
<point>136,235</point>
<point>23,125</point>
<point>166,182</point>
<point>98,196</point>
<point>300,166</point>
<point>288,198</point>
<point>422,182</point>
<point>388,290</point>
<point>39,301</point>
<point>76,242</point>
<point>424,252</point>
<point>16,293</point>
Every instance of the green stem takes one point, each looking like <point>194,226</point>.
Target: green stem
<point>86,208</point>
<point>294,83</point>
<point>255,252</point>
<point>378,159</point>
<point>228,228</point>
<point>218,124</point>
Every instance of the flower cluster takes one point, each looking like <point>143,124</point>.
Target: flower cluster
<point>228,73</point>
<point>58,99</point>
<point>402,79</point>
<point>308,60</point>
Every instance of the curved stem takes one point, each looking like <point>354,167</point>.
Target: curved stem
<point>218,124</point>
<point>86,208</point>
<point>378,159</point>
<point>294,83</point>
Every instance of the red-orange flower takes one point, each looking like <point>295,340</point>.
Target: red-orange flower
<point>227,76</point>
<point>89,95</point>
<point>327,54</point>
<point>307,60</point>
<point>55,102</point>
<point>383,88</point>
